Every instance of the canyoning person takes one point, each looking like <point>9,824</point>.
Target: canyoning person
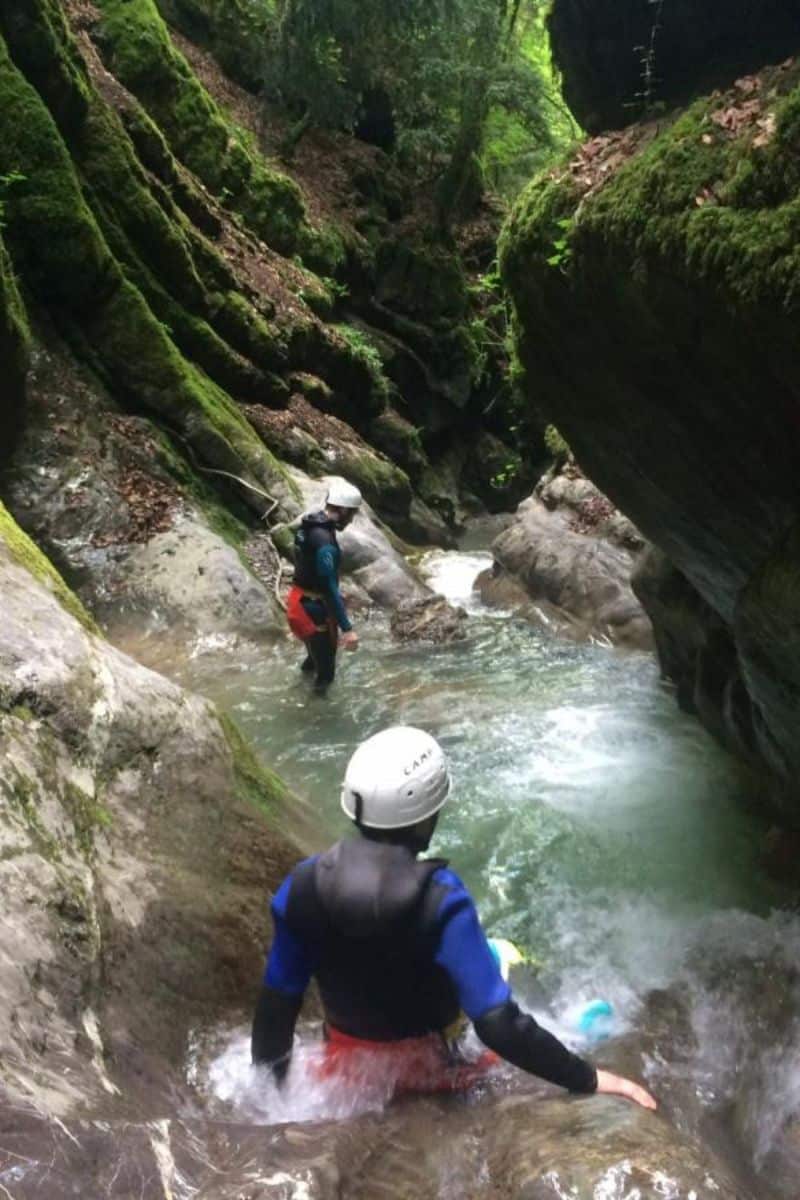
<point>397,948</point>
<point>315,608</point>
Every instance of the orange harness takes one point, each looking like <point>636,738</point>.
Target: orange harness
<point>300,623</point>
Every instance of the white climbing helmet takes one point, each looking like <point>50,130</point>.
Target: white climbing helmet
<point>396,778</point>
<point>342,494</point>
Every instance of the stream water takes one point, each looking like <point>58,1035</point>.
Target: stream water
<point>599,828</point>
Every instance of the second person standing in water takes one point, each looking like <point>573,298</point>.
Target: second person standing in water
<point>315,608</point>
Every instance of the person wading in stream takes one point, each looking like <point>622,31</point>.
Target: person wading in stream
<point>397,948</point>
<point>315,608</point>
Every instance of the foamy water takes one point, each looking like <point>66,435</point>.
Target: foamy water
<point>598,827</point>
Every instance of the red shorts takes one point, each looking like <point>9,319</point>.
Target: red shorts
<point>412,1065</point>
<point>300,623</point>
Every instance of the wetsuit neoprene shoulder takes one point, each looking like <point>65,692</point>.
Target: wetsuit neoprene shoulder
<point>397,949</point>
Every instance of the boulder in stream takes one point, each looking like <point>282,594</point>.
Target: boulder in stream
<point>433,619</point>
<point>565,563</point>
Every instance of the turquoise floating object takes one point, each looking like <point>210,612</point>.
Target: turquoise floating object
<point>596,1021</point>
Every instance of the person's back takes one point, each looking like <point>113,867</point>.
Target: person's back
<point>395,943</point>
<point>367,912</point>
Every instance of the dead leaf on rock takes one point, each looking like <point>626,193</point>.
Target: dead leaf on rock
<point>767,126</point>
<point>747,84</point>
<point>737,117</point>
<point>706,196</point>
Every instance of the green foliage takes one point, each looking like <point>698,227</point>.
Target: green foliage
<point>233,30</point>
<point>447,69</point>
<point>490,326</point>
<point>562,250</point>
<point>506,476</point>
<point>7,181</point>
<point>555,443</point>
<point>529,126</point>
<point>365,353</point>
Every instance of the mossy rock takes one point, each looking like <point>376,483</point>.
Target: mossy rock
<point>400,440</point>
<point>660,336</point>
<point>14,343</point>
<point>65,260</point>
<point>384,485</point>
<point>422,279</point>
<point>255,784</point>
<point>137,47</point>
<point>48,56</point>
<point>235,31</point>
<point>29,556</point>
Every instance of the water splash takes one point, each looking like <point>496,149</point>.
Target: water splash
<point>596,825</point>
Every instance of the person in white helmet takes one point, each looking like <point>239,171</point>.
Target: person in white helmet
<point>315,608</point>
<point>396,945</point>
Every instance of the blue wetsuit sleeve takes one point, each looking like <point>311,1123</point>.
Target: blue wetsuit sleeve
<point>326,563</point>
<point>291,962</point>
<point>464,952</point>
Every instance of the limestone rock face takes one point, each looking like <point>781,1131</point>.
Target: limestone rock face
<point>618,56</point>
<point>677,383</point>
<point>565,562</point>
<point>109,499</point>
<point>138,844</point>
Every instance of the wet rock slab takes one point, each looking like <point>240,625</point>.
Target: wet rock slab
<point>529,1147</point>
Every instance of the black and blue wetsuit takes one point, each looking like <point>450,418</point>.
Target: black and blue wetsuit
<point>316,573</point>
<point>398,952</point>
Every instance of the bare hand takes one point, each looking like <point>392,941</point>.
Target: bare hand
<point>350,640</point>
<point>617,1085</point>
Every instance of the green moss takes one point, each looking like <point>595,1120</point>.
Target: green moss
<point>29,556</point>
<point>147,363</point>
<point>23,713</point>
<point>385,486</point>
<point>401,440</point>
<point>283,541</point>
<point>247,331</point>
<point>235,31</point>
<point>14,346</point>
<point>139,51</point>
<point>556,445</point>
<point>67,263</point>
<point>55,241</point>
<point>88,816</point>
<point>229,527</point>
<point>722,211</point>
<point>367,361</point>
<point>48,55</point>
<point>22,795</point>
<point>255,783</point>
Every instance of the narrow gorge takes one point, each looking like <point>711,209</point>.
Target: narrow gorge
<point>573,410</point>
